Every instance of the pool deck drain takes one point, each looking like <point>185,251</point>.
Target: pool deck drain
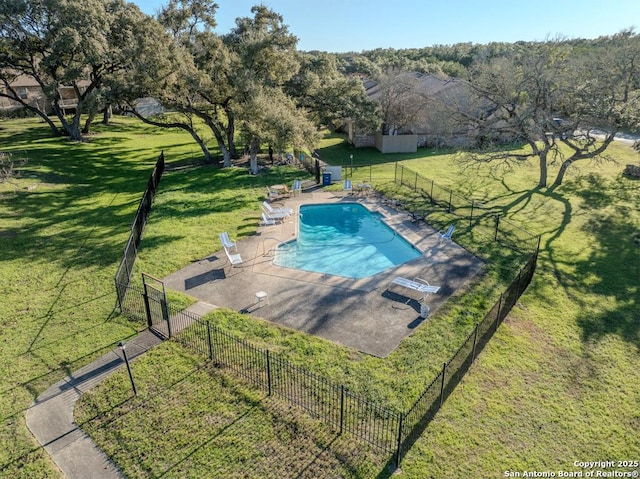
<point>358,313</point>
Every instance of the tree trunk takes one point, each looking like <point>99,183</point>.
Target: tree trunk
<point>226,153</point>
<point>72,130</point>
<point>203,147</point>
<point>107,115</point>
<point>563,169</point>
<point>231,131</point>
<point>75,134</point>
<point>87,123</point>
<point>543,169</point>
<point>54,128</point>
<point>253,157</point>
<point>183,126</point>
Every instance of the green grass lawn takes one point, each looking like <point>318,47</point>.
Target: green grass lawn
<point>63,227</point>
<point>557,383</point>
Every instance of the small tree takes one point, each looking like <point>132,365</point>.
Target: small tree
<point>401,103</point>
<point>272,117</point>
<point>329,97</point>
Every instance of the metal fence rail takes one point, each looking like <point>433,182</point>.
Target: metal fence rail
<point>434,197</point>
<point>125,269</point>
<point>429,402</point>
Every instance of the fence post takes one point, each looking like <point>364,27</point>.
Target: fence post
<point>209,340</point>
<point>370,172</point>
<point>115,280</point>
<point>341,408</point>
<point>499,313</point>
<point>399,442</point>
<point>147,308</point>
<point>415,184</point>
<point>269,372</point>
<point>165,315</point>
<point>395,173</point>
<point>165,310</point>
<point>444,373</point>
<point>520,289</point>
<point>161,163</point>
<point>401,174</point>
<point>495,236</point>
<point>475,342</point>
<point>431,193</point>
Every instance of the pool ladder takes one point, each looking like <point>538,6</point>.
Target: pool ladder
<point>272,250</point>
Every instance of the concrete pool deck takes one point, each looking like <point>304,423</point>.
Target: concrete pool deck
<point>358,313</point>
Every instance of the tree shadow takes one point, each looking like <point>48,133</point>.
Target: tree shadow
<point>613,265</point>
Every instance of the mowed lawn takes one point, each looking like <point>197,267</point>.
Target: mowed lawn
<point>558,382</point>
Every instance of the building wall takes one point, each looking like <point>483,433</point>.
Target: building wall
<point>396,143</point>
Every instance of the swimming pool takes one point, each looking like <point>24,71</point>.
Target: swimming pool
<point>343,239</point>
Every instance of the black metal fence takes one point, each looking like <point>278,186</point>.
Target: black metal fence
<point>433,197</point>
<point>123,274</point>
<point>429,402</point>
<point>347,412</point>
<point>384,427</point>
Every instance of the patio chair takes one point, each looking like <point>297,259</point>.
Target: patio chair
<point>226,242</point>
<point>364,188</point>
<point>234,258</point>
<point>266,221</point>
<point>273,212</point>
<point>348,187</point>
<point>297,187</point>
<point>446,235</point>
<point>418,284</point>
<point>272,195</point>
<point>276,215</point>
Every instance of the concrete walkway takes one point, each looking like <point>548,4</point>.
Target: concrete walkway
<point>50,417</point>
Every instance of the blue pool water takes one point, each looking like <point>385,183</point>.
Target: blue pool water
<point>344,240</point>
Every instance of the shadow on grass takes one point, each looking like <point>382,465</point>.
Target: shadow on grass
<point>613,265</point>
<point>247,434</point>
<point>616,267</point>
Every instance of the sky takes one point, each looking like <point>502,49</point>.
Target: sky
<point>357,25</point>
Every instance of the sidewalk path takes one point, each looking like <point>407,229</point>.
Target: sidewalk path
<point>50,417</point>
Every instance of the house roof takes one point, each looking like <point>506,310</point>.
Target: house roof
<point>27,81</point>
<point>431,85</point>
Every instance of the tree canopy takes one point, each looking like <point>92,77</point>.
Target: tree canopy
<point>565,105</point>
<point>564,99</point>
<point>81,44</point>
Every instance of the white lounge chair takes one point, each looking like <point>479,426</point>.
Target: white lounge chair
<point>297,187</point>
<point>348,186</point>
<point>276,212</point>
<point>364,188</point>
<point>266,221</point>
<point>234,258</point>
<point>447,234</point>
<point>417,284</point>
<point>226,242</point>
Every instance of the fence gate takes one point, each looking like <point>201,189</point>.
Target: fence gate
<point>156,306</point>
